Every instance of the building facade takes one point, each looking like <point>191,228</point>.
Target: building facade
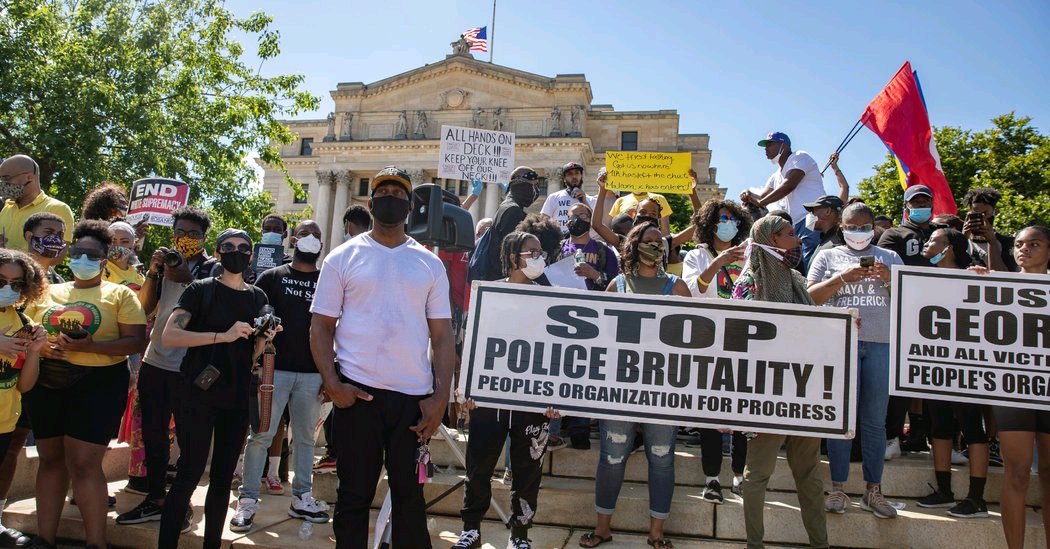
<point>396,121</point>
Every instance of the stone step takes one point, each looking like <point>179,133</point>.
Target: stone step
<point>904,477</point>
<point>114,464</point>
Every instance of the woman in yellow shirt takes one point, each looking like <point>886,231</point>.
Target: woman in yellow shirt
<point>92,327</point>
<point>22,281</point>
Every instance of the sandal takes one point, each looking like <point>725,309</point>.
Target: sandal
<point>591,539</point>
<point>662,543</point>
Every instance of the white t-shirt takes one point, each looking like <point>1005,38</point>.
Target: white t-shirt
<point>868,295</point>
<point>808,190</point>
<point>557,207</point>
<point>383,298</point>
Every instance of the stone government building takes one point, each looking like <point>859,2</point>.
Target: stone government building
<point>397,121</point>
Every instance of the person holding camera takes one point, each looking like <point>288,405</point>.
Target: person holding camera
<point>92,326</point>
<point>221,345</point>
<point>979,228</point>
<point>159,385</point>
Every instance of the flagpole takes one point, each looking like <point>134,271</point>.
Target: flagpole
<point>492,30</point>
<point>845,141</point>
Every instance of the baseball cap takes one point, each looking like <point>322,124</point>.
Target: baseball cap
<point>917,190</point>
<point>775,137</point>
<point>395,174</point>
<point>524,174</point>
<point>826,201</point>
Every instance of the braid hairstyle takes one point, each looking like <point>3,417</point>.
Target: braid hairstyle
<point>511,246</point>
<point>629,247</point>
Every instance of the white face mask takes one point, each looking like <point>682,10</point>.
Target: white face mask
<point>308,244</point>
<point>811,222</point>
<point>534,267</point>
<point>858,240</point>
<point>776,159</point>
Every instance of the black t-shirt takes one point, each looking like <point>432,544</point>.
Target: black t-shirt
<point>233,360</point>
<point>506,219</point>
<point>907,240</point>
<point>291,293</point>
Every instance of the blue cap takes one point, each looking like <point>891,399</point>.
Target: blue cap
<point>917,190</point>
<point>775,137</point>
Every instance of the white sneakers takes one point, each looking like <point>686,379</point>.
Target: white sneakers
<point>893,448</point>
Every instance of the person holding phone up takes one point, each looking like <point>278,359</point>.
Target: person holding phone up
<point>857,276</point>
<point>980,230</point>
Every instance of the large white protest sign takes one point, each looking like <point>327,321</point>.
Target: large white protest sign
<point>960,336</point>
<point>749,366</point>
<point>472,153</point>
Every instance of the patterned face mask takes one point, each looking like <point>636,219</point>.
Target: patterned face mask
<point>651,254</point>
<point>48,245</point>
<point>11,191</point>
<point>187,246</point>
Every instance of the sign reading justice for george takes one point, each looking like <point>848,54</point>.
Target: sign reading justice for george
<point>472,153</point>
<point>654,172</point>
<point>764,367</point>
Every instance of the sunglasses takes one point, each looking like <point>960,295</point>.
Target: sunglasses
<point>93,255</point>
<point>534,254</point>
<point>16,285</point>
<point>724,218</point>
<point>868,227</point>
<point>227,247</point>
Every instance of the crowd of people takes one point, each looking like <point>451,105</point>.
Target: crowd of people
<point>173,353</point>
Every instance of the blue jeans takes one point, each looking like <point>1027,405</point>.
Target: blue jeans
<point>298,391</point>
<point>617,438</point>
<point>873,395</point>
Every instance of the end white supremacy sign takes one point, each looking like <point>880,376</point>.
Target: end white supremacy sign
<point>960,336</point>
<point>472,153</point>
<point>748,366</point>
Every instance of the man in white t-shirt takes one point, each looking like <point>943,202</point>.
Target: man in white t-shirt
<point>795,181</point>
<point>557,205</point>
<point>381,301</point>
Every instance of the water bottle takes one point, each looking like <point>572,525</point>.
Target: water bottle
<point>580,260</point>
<point>306,530</point>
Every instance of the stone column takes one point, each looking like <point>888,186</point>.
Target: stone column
<point>475,210</point>
<point>491,196</point>
<point>325,179</point>
<point>342,194</point>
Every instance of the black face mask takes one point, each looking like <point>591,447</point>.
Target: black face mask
<point>645,219</point>
<point>390,210</point>
<point>579,226</point>
<point>523,195</point>
<point>234,262</point>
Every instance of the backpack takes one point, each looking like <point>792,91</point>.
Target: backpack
<point>478,268</point>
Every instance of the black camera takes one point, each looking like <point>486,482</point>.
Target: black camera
<point>172,258</point>
<point>266,321</point>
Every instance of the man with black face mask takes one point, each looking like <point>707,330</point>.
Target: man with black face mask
<point>521,193</point>
<point>557,205</point>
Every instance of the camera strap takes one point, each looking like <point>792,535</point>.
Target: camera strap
<point>266,387</point>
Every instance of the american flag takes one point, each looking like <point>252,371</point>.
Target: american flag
<point>478,39</point>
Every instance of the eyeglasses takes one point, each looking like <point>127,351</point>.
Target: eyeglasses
<point>8,178</point>
<point>868,227</point>
<point>534,254</point>
<point>724,218</point>
<point>192,234</point>
<point>227,247</point>
<point>93,255</point>
<point>16,285</point>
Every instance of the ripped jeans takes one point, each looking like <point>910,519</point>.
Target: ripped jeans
<point>617,441</point>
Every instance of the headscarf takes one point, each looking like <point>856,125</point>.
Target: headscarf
<point>774,279</point>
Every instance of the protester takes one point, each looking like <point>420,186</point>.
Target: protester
<point>20,185</point>
<point>908,241</point>
<point>643,273</point>
<point>948,249</point>
<point>820,229</point>
<point>521,193</point>
<point>557,204</point>
<point>620,225</point>
<point>107,202</point>
<point>221,346</point>
<point>122,266</point>
<point>482,227</point>
<point>770,275</point>
<point>980,229</point>
<point>711,270</point>
<point>840,278</point>
<point>296,383</point>
<point>648,209</point>
<point>389,398</point>
<point>795,181</point>
<point>883,222</point>
<point>160,380</point>
<point>546,231</point>
<point>840,178</point>
<point>1021,428</point>
<point>24,283</point>
<point>45,233</point>
<point>356,220</point>
<point>630,203</point>
<point>523,261</point>
<point>82,391</point>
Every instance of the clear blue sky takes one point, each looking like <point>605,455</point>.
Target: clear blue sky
<point>733,70</point>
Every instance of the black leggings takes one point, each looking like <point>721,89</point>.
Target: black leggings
<point>711,452</point>
<point>948,418</point>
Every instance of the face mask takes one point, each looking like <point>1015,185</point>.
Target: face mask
<point>187,246</point>
<point>920,215</point>
<point>534,267</point>
<point>390,210</point>
<point>645,219</point>
<point>651,254</point>
<point>776,159</point>
<point>811,222</point>
<point>11,191</point>
<point>523,195</point>
<point>937,258</point>
<point>271,239</point>
<point>234,262</point>
<point>579,226</point>
<point>726,231</point>
<point>84,268</point>
<point>8,296</point>
<point>47,246</point>
<point>858,240</point>
<point>346,236</point>
<point>308,244</point>
<point>119,253</point>
<point>793,256</point>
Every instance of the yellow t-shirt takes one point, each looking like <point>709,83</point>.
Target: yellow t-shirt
<point>675,268</point>
<point>13,219</point>
<point>98,310</point>
<point>628,204</point>
<point>10,368</point>
<point>131,277</point>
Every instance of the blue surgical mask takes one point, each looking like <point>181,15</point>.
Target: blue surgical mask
<point>346,236</point>
<point>937,258</point>
<point>84,268</point>
<point>726,231</point>
<point>8,296</point>
<point>920,215</point>
<point>271,239</point>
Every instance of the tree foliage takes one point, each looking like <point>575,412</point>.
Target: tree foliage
<point>116,90</point>
<point>1011,156</point>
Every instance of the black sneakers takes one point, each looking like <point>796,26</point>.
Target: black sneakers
<point>969,508</point>
<point>9,537</point>
<point>146,511</point>
<point>713,493</point>
<point>937,500</point>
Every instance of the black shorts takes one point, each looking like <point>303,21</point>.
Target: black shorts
<point>25,418</point>
<point>1022,419</point>
<point>89,410</point>
<point>948,418</point>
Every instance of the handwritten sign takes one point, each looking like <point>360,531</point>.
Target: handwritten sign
<point>152,200</point>
<point>655,172</point>
<point>471,153</point>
